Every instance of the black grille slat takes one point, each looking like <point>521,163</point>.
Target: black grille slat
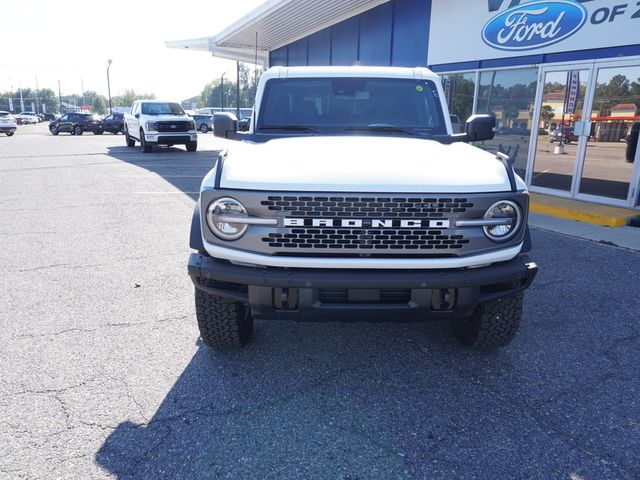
<point>177,126</point>
<point>349,238</point>
<point>367,207</point>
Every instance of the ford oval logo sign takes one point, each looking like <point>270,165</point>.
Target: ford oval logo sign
<point>534,25</point>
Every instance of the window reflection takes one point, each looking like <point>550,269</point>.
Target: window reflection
<point>509,95</point>
<point>459,89</point>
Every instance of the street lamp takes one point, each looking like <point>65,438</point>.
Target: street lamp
<point>109,86</point>
<point>222,92</point>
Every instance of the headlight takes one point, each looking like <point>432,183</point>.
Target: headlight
<point>218,215</point>
<point>152,126</point>
<point>509,213</point>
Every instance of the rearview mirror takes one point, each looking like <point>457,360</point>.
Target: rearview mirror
<point>137,115</point>
<point>225,125</point>
<point>480,127</point>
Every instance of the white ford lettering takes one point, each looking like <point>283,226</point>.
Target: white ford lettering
<point>322,222</point>
<point>411,223</point>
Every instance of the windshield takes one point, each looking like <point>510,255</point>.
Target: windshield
<point>334,105</point>
<point>162,109</point>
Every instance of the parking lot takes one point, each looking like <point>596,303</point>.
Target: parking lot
<point>104,376</point>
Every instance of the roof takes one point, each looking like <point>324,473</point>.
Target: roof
<point>625,106</point>
<point>276,23</point>
<point>554,96</point>
<point>326,71</point>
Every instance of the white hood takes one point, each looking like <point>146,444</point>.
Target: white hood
<point>363,164</point>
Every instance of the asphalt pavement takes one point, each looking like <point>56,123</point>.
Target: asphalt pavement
<point>103,374</point>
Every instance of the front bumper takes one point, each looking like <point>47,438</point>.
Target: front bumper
<point>330,294</point>
<point>163,138</point>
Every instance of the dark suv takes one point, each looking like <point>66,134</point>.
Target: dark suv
<point>77,124</point>
<point>113,123</point>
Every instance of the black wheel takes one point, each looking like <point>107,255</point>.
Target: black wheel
<point>192,146</point>
<point>204,128</point>
<point>9,134</point>
<point>223,323</point>
<point>121,130</point>
<point>146,148</point>
<point>98,132</point>
<point>77,130</point>
<point>493,325</point>
<point>53,130</point>
<point>130,141</point>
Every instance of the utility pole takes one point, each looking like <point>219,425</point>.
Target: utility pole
<point>82,89</point>
<point>59,98</point>
<point>238,90</point>
<point>222,92</point>
<point>37,96</point>
<point>109,87</point>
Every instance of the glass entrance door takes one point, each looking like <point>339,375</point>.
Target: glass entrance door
<point>558,142</point>
<point>609,169</point>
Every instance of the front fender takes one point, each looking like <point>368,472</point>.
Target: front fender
<point>195,236</point>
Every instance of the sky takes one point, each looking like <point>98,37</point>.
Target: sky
<point>72,40</point>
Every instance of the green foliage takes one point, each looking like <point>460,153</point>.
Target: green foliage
<point>99,104</point>
<point>213,93</point>
<point>129,97</point>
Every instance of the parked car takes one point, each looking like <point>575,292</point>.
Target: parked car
<point>7,123</point>
<point>632,142</point>
<point>77,124</point>
<point>27,118</point>
<point>204,122</point>
<point>114,123</point>
<point>244,124</point>
<point>49,117</point>
<point>566,133</point>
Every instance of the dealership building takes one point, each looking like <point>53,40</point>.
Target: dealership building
<point>561,77</point>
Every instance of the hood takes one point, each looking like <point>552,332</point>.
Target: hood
<point>167,118</point>
<point>363,164</point>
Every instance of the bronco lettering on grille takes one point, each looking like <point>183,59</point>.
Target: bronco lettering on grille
<point>364,223</point>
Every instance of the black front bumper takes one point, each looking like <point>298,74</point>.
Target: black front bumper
<point>329,294</point>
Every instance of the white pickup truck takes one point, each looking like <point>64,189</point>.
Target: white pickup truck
<point>154,122</point>
<point>352,198</point>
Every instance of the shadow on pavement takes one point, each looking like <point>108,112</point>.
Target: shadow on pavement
<point>182,169</point>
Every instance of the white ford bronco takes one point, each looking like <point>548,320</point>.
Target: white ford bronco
<point>351,198</point>
<point>154,122</point>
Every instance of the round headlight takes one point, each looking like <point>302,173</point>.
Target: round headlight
<point>218,220</point>
<point>508,218</point>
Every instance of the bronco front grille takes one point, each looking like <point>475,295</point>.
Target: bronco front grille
<point>350,239</point>
<point>178,126</point>
<point>366,207</point>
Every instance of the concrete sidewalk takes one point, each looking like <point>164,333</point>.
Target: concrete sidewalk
<point>624,237</point>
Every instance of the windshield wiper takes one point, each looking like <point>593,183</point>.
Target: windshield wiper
<point>381,127</point>
<point>298,128</point>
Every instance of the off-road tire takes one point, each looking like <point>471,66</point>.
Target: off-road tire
<point>77,130</point>
<point>144,146</point>
<point>192,146</point>
<point>130,141</point>
<point>223,323</point>
<point>493,325</point>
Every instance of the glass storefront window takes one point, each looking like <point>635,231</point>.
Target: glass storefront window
<point>509,95</point>
<point>459,89</point>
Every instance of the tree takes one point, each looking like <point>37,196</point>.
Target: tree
<point>99,104</point>
<point>129,97</point>
<point>210,95</point>
<point>546,114</point>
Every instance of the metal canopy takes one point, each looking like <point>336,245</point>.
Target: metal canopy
<point>277,23</point>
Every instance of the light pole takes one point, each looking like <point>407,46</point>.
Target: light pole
<point>222,92</point>
<point>109,86</point>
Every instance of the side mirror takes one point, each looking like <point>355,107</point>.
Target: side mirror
<point>225,125</point>
<point>480,127</point>
<point>137,115</point>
